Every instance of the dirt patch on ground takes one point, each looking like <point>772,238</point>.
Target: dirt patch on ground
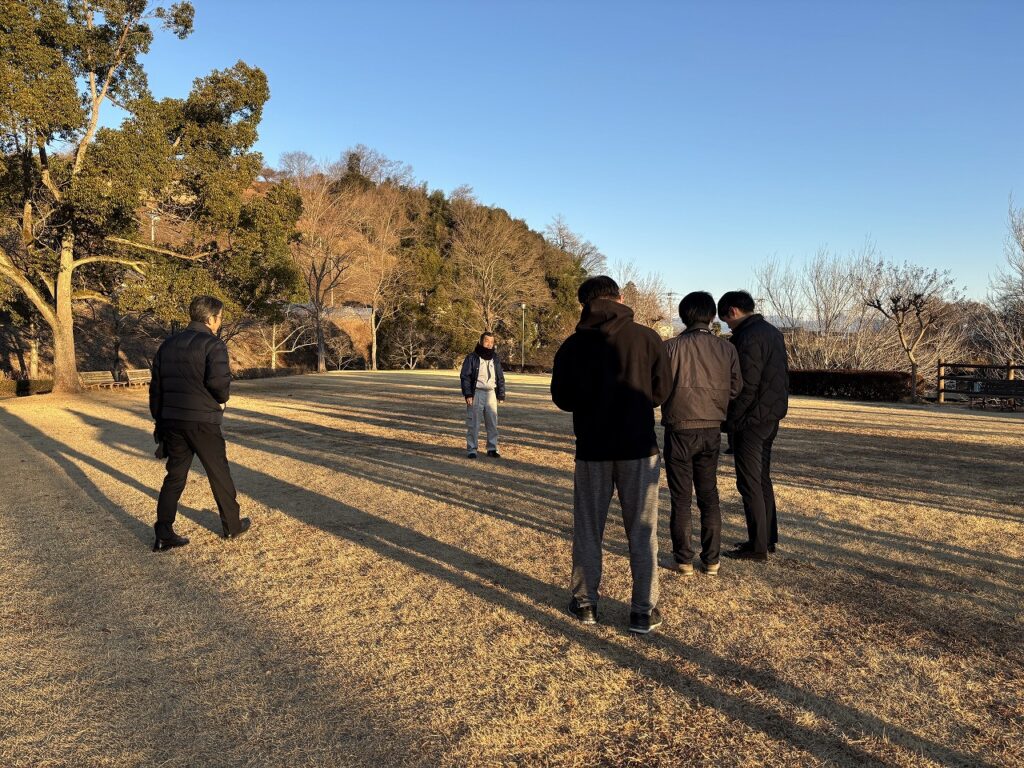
<point>397,604</point>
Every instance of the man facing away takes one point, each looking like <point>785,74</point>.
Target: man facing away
<point>754,418</point>
<point>705,377</point>
<point>483,386</point>
<point>611,374</point>
<point>191,379</point>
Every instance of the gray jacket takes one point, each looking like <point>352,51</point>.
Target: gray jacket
<point>705,377</point>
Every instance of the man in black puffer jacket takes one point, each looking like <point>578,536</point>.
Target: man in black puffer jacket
<point>754,418</point>
<point>191,379</point>
<point>612,373</point>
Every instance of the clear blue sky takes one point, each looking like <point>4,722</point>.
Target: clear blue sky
<point>693,138</point>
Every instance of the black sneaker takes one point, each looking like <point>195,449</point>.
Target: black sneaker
<point>471,455</point>
<point>747,554</point>
<point>494,454</point>
<point>587,614</point>
<point>746,546</point>
<point>642,623</point>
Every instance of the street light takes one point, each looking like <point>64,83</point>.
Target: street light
<point>522,342</point>
<point>154,217</point>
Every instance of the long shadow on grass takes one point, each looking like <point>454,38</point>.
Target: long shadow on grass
<point>518,424</point>
<point>412,467</point>
<point>908,471</point>
<point>406,466</point>
<point>519,592</point>
<point>156,671</point>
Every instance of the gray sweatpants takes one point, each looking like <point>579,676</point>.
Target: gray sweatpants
<point>485,403</point>
<point>637,483</point>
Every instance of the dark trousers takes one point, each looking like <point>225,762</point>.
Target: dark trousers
<point>691,463</point>
<point>182,441</point>
<point>754,482</point>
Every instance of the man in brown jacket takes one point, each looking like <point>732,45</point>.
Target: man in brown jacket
<point>705,377</point>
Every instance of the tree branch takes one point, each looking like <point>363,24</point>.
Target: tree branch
<point>144,247</point>
<point>18,279</point>
<point>97,99</point>
<point>83,295</point>
<point>133,263</point>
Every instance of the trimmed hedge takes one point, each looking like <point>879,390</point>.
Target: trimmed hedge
<point>880,386</point>
<point>23,387</point>
<point>268,373</point>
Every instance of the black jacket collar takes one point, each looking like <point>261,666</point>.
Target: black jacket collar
<point>198,327</point>
<point>748,321</point>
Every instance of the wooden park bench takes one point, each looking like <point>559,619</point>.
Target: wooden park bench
<point>138,376</point>
<point>99,380</point>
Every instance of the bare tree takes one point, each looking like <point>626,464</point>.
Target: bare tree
<point>373,166</point>
<point>781,288</point>
<point>644,293</point>
<point>378,220</point>
<point>324,251</point>
<point>290,335</point>
<point>916,302</point>
<point>497,266</point>
<point>819,305</point>
<point>1002,327</point>
<point>584,253</point>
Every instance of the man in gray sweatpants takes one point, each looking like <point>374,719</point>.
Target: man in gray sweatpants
<point>483,386</point>
<point>611,374</point>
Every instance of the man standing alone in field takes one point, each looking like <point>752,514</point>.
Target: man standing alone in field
<point>483,386</point>
<point>611,374</point>
<point>191,379</point>
<point>754,418</point>
<point>705,377</point>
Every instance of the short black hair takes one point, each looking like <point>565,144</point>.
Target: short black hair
<point>697,307</point>
<point>484,335</point>
<point>742,300</point>
<point>203,308</point>
<point>600,287</point>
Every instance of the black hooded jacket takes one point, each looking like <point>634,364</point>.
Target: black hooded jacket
<point>611,373</point>
<point>764,398</point>
<point>191,377</point>
<point>471,372</point>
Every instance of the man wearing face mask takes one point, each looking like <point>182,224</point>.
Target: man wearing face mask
<point>483,387</point>
<point>187,395</point>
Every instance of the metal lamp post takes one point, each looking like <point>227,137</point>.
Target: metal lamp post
<point>522,342</point>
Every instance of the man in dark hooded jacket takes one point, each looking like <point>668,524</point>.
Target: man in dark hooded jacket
<point>483,387</point>
<point>611,374</point>
<point>754,417</point>
<point>187,394</point>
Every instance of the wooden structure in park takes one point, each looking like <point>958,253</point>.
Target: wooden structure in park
<point>138,376</point>
<point>99,379</point>
<point>999,385</point>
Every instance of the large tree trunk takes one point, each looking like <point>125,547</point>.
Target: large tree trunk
<point>273,347</point>
<point>65,367</point>
<point>321,347</point>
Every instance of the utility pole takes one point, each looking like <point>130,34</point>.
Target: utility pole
<point>522,342</point>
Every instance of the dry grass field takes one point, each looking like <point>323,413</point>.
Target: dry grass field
<point>396,604</point>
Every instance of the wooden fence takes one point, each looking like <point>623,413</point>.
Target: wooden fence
<point>1002,385</point>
